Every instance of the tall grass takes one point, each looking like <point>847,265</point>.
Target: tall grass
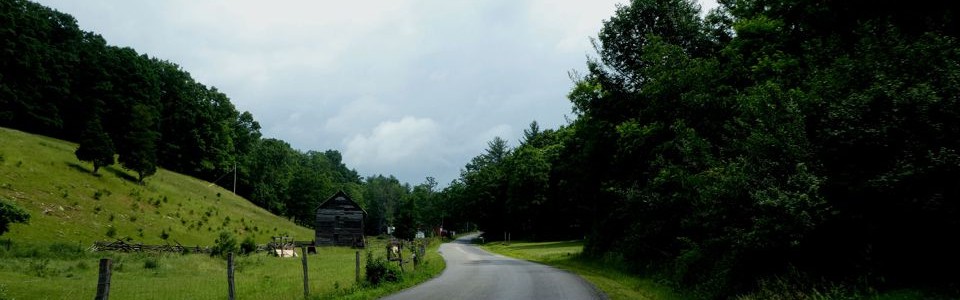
<point>32,272</point>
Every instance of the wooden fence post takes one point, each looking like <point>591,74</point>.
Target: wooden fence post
<point>231,289</point>
<point>357,269</point>
<point>306,285</point>
<point>103,282</point>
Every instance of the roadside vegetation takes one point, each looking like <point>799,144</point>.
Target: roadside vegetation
<point>614,278</point>
<point>768,149</point>
<point>63,271</point>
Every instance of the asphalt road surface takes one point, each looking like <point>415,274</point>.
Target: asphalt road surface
<point>473,273</point>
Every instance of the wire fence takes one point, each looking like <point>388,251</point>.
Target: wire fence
<point>75,274</point>
<point>257,277</point>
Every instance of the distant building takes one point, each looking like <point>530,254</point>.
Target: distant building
<point>340,222</point>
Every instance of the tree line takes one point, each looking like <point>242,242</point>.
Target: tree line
<point>143,113</point>
<point>761,139</point>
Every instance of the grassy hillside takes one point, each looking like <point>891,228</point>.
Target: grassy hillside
<point>71,208</point>
<point>70,205</point>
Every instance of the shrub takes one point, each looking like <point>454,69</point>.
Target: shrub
<point>248,245</point>
<point>225,243</point>
<point>98,194</point>
<point>11,213</point>
<point>151,263</point>
<point>111,231</point>
<point>379,270</point>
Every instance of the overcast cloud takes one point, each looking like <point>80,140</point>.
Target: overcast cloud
<point>405,87</point>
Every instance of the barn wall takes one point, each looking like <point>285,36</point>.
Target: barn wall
<point>331,230</point>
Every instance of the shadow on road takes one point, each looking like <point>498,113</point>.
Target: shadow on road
<point>497,262</point>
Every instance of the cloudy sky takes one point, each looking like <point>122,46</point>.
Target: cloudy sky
<point>412,88</point>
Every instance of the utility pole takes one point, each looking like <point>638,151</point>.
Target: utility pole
<point>234,177</point>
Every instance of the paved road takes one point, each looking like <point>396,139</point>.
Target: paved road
<point>473,273</point>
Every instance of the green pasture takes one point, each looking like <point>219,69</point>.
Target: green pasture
<point>70,208</point>
<point>62,272</point>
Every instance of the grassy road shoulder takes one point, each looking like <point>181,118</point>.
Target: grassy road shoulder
<point>566,255</point>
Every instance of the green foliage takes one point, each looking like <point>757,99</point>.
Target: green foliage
<point>151,263</point>
<point>95,146</point>
<point>379,270</point>
<point>10,214</point>
<point>178,276</point>
<point>139,153</point>
<point>224,244</point>
<point>720,151</point>
<point>248,245</point>
<point>382,195</point>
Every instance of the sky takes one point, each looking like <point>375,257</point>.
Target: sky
<point>409,88</point>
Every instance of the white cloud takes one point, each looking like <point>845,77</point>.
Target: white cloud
<point>357,115</point>
<point>408,140</point>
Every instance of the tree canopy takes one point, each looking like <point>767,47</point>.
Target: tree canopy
<point>759,138</point>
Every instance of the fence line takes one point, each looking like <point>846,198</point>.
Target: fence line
<point>281,280</point>
<point>121,246</point>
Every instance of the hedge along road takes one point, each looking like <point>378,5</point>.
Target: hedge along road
<point>473,273</point>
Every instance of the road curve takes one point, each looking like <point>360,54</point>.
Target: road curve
<point>473,273</point>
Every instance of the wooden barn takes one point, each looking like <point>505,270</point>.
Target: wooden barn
<point>340,222</point>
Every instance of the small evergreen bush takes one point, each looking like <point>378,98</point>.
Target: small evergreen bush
<point>248,245</point>
<point>225,243</point>
<point>379,270</point>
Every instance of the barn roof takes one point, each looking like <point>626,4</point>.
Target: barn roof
<point>340,193</point>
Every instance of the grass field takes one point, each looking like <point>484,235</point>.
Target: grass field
<point>71,208</point>
<point>566,255</point>
<point>64,273</point>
